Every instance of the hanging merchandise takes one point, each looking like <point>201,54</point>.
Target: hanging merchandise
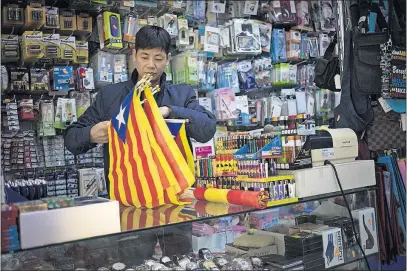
<point>328,22</point>
<point>120,69</point>
<point>102,64</point>
<point>212,39</point>
<point>34,15</point>
<point>39,81</point>
<point>293,45</point>
<point>280,11</point>
<point>4,79</point>
<point>109,29</point>
<point>227,77</point>
<point>46,125</point>
<point>85,79</point>
<point>52,45</point>
<point>10,48</point>
<point>245,37</point>
<point>170,23</point>
<point>242,107</point>
<point>67,20</point>
<point>32,46</point>
<point>68,48</point>
<point>217,6</point>
<point>327,68</point>
<point>130,29</point>
<point>207,71</point>
<point>278,46</point>
<point>304,21</point>
<point>13,16</point>
<point>12,123</point>
<point>19,80</point>
<point>246,75</point>
<point>83,23</point>
<point>185,68</point>
<point>265,35</point>
<point>62,78</point>
<point>51,18</point>
<point>183,32</point>
<point>313,45</point>
<point>324,42</point>
<point>224,101</point>
<point>65,113</point>
<point>81,52</point>
<point>26,109</point>
<point>263,72</point>
<point>82,101</point>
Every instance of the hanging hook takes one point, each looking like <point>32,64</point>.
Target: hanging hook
<point>12,32</point>
<point>52,6</point>
<point>88,36</point>
<point>69,36</point>
<point>145,12</point>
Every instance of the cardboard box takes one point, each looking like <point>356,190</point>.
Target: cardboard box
<point>332,245</point>
<point>366,218</point>
<point>48,227</point>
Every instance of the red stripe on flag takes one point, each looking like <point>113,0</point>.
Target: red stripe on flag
<point>180,146</point>
<point>167,153</point>
<point>125,178</point>
<point>163,177</point>
<point>156,217</point>
<point>168,212</point>
<point>146,169</point>
<point>115,178</point>
<point>130,216</point>
<point>143,219</point>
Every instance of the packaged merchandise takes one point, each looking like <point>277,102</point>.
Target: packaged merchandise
<point>183,33</point>
<point>246,37</point>
<point>47,119</point>
<point>39,80</point>
<point>130,29</point>
<point>281,11</point>
<point>83,23</point>
<point>112,30</point>
<point>265,35</point>
<point>52,44</point>
<point>278,46</point>
<point>68,48</point>
<point>120,69</point>
<point>34,15</point>
<point>62,77</point>
<point>19,80</point>
<point>224,101</point>
<point>88,184</point>
<point>67,20</point>
<point>32,46</point>
<point>82,101</point>
<point>85,79</point>
<point>293,45</point>
<point>82,52</point>
<point>242,107</point>
<point>227,76</point>
<point>212,39</point>
<point>4,79</point>
<point>10,48</point>
<point>26,109</point>
<point>51,18</point>
<point>170,23</point>
<point>366,219</point>
<point>246,75</point>
<point>13,16</point>
<point>102,64</point>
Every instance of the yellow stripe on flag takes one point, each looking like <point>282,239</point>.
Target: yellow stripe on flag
<point>187,149</point>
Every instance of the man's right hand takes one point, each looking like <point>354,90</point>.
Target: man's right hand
<point>98,133</point>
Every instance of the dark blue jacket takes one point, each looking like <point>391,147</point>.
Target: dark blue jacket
<point>180,98</point>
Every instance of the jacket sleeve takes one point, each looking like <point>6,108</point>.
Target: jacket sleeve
<point>77,135</point>
<point>202,123</point>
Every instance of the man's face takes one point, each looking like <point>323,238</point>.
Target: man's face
<point>151,61</point>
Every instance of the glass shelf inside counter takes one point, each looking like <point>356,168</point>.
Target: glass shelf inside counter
<point>227,232</point>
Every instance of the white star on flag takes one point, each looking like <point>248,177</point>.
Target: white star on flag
<point>120,116</point>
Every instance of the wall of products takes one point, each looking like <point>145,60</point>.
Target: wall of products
<point>252,64</point>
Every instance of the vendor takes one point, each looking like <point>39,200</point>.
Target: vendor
<point>152,54</point>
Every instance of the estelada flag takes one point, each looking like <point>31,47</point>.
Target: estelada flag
<point>169,151</point>
<point>178,130</point>
<point>146,167</point>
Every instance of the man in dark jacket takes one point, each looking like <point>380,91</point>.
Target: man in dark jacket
<point>152,54</point>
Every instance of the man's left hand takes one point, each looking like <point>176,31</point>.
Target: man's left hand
<point>165,111</point>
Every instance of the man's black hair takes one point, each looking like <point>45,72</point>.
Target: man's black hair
<point>153,37</point>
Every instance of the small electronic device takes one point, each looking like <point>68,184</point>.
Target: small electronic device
<point>13,16</point>
<point>34,15</point>
<point>112,30</point>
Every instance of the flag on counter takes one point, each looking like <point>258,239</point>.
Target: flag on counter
<point>132,218</point>
<point>178,130</point>
<point>147,169</point>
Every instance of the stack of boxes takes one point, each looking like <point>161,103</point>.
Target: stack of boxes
<point>9,233</point>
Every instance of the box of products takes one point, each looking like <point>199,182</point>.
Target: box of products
<point>366,219</point>
<point>92,217</point>
<point>112,30</point>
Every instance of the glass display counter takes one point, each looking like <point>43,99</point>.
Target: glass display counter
<point>312,234</point>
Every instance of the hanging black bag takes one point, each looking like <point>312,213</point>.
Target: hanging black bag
<point>327,68</point>
<point>366,58</point>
